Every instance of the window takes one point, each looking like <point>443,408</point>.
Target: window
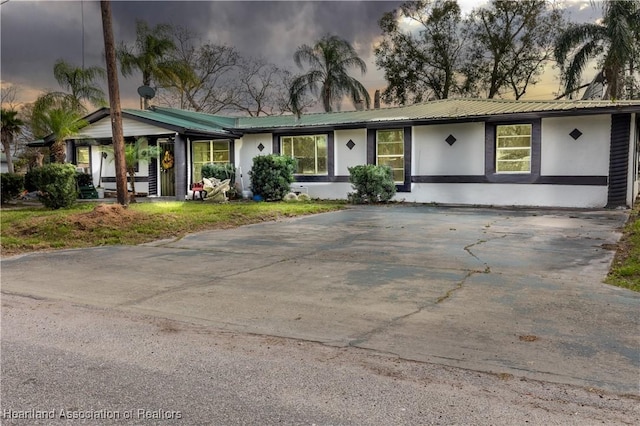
<point>390,152</point>
<point>83,159</point>
<point>310,151</point>
<point>205,152</point>
<point>513,148</point>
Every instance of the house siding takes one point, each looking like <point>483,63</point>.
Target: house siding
<point>619,160</point>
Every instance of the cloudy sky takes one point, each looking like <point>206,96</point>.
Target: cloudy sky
<point>34,34</point>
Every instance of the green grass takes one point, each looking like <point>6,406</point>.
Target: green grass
<point>625,270</point>
<point>36,229</point>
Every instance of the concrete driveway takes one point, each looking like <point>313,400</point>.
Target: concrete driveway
<point>514,292</point>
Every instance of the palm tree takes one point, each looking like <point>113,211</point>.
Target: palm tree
<point>148,55</point>
<point>329,60</point>
<point>80,82</point>
<point>11,126</point>
<point>58,115</point>
<point>614,41</point>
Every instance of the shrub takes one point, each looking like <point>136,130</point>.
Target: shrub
<point>11,185</point>
<point>57,185</point>
<point>373,184</point>
<point>30,179</point>
<point>271,176</point>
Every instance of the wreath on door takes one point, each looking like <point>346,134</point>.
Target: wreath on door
<point>167,160</point>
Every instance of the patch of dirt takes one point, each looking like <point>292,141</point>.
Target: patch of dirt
<point>528,338</point>
<point>105,215</point>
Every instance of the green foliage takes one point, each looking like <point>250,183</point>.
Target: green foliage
<point>80,81</point>
<point>614,41</point>
<point>329,60</point>
<point>10,126</point>
<point>30,180</point>
<point>373,184</point>
<point>57,185</point>
<point>219,171</point>
<point>500,48</point>
<point>11,185</point>
<point>271,176</point>
<point>625,270</point>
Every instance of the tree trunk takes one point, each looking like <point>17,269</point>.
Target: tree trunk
<point>114,104</point>
<point>132,179</point>
<point>58,151</point>
<point>6,144</point>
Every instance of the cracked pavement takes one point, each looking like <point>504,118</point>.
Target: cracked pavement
<point>496,290</point>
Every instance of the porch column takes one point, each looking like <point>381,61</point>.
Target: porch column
<point>180,166</point>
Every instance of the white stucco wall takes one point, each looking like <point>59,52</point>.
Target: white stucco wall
<point>245,149</point>
<point>109,170</point>
<point>507,195</point>
<point>561,155</point>
<point>345,157</point>
<point>433,156</point>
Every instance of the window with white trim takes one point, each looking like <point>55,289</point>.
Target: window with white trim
<point>205,152</point>
<point>310,151</point>
<point>513,148</point>
<point>390,151</point>
<point>83,159</point>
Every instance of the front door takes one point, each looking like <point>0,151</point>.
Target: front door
<point>167,170</point>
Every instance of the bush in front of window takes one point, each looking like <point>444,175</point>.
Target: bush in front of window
<point>219,171</point>
<point>272,175</point>
<point>372,184</point>
<point>57,184</point>
<point>11,185</point>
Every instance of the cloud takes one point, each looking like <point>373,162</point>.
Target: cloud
<point>36,33</point>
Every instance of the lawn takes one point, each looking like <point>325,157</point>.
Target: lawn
<point>93,224</point>
<point>625,270</point>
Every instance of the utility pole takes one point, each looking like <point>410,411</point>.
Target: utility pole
<point>114,104</point>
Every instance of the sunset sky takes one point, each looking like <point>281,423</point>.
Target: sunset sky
<point>34,34</point>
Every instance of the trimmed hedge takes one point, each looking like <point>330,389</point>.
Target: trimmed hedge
<point>11,185</point>
<point>373,184</point>
<point>271,176</point>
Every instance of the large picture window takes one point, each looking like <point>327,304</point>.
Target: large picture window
<point>513,148</point>
<point>390,151</point>
<point>205,152</point>
<point>310,151</point>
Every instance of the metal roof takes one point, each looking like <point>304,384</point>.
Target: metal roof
<point>441,110</point>
<point>187,122</point>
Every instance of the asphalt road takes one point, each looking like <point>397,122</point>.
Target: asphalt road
<point>386,315</point>
<point>76,361</point>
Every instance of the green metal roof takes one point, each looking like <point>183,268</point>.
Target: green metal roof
<point>165,117</point>
<point>441,110</point>
<point>446,110</point>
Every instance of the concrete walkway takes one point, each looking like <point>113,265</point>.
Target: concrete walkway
<point>514,292</point>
